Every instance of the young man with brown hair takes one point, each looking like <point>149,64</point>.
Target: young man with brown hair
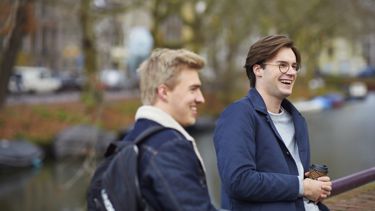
<point>261,140</point>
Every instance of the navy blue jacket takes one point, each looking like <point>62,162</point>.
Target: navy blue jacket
<point>171,175</point>
<point>255,166</point>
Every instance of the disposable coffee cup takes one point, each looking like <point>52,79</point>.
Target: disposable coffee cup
<point>318,170</point>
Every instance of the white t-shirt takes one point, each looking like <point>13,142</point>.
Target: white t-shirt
<point>285,127</point>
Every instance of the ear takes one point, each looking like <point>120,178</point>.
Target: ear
<point>162,92</point>
<point>258,70</point>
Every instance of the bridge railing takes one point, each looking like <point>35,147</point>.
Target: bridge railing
<point>353,181</point>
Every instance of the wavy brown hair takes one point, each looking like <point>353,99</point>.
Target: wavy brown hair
<point>265,49</point>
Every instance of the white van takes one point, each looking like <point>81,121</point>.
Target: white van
<point>33,80</point>
<point>357,90</point>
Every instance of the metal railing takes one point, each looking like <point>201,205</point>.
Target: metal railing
<point>353,181</point>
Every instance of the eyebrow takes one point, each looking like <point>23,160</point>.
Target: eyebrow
<point>195,86</point>
<point>283,61</point>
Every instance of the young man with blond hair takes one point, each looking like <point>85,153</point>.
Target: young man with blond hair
<point>172,175</point>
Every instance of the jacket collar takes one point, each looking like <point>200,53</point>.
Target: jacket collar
<point>163,118</point>
<point>157,115</point>
<point>259,104</point>
<point>256,99</point>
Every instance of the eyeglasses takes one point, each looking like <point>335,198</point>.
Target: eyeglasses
<point>284,66</point>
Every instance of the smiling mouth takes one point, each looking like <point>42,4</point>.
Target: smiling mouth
<point>194,109</point>
<point>286,82</point>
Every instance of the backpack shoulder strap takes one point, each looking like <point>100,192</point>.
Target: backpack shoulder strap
<point>118,145</point>
<point>147,133</point>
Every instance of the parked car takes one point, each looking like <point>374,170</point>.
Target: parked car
<point>70,81</point>
<point>112,79</point>
<point>357,90</point>
<point>33,80</point>
<point>369,71</point>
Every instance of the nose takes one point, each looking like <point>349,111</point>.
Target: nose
<point>292,71</point>
<point>199,98</point>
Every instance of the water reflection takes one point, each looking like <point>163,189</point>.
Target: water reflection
<point>207,150</point>
<point>46,189</point>
<point>344,139</point>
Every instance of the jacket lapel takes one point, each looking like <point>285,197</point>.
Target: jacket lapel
<point>260,107</point>
<point>299,124</point>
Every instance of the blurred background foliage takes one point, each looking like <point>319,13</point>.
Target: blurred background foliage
<point>60,33</point>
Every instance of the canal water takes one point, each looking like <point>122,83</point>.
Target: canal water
<point>343,139</point>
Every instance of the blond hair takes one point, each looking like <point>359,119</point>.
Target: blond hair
<point>163,67</point>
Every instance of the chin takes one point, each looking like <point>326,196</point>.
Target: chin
<point>189,123</point>
<point>286,93</point>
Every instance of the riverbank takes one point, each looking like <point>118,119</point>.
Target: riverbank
<point>40,123</point>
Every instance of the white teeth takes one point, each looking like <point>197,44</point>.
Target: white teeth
<point>285,81</point>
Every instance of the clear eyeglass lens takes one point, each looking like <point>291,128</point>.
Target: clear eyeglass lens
<point>283,67</point>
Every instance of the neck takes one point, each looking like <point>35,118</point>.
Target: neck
<point>273,104</point>
<point>161,105</point>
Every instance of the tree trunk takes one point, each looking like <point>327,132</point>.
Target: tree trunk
<point>92,94</point>
<point>9,54</point>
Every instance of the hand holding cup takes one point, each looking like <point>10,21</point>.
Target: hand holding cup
<point>317,170</point>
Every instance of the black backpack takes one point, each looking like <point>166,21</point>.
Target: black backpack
<point>115,184</point>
